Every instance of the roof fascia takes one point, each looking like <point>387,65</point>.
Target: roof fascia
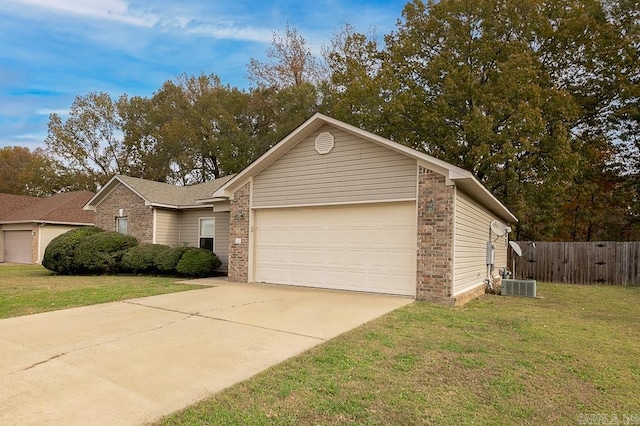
<point>100,195</point>
<point>478,191</point>
<point>49,222</point>
<point>179,207</point>
<point>104,192</point>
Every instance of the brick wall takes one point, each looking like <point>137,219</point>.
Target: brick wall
<point>140,217</point>
<point>239,228</point>
<point>435,238</point>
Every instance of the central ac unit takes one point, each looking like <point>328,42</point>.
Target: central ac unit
<point>525,288</point>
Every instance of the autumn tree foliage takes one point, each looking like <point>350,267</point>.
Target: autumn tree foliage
<point>26,172</point>
<point>538,98</point>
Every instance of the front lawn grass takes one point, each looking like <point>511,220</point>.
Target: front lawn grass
<point>29,289</point>
<point>571,356</point>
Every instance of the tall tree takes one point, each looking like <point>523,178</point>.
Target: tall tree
<point>466,87</point>
<point>89,142</point>
<point>356,87</point>
<point>522,93</point>
<point>192,130</point>
<point>289,87</point>
<point>289,63</point>
<point>25,172</point>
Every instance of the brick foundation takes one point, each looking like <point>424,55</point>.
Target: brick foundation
<point>435,239</point>
<point>140,216</point>
<point>466,297</point>
<point>239,228</point>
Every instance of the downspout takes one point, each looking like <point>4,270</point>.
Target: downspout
<point>40,254</point>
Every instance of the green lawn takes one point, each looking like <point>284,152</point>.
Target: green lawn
<point>572,356</point>
<point>30,289</point>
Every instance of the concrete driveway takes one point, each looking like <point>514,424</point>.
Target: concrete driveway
<point>131,362</point>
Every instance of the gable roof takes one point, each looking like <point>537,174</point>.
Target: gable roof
<point>160,194</point>
<point>64,208</point>
<point>460,177</point>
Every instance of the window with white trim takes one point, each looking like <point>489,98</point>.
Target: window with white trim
<point>206,235</point>
<point>122,225</point>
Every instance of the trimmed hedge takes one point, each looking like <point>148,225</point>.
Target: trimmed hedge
<point>91,250</point>
<point>60,254</point>
<point>197,262</point>
<point>166,261</point>
<point>100,253</point>
<point>141,259</point>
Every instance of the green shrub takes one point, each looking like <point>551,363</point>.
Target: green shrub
<point>100,253</point>
<point>142,259</point>
<point>166,261</point>
<point>196,262</point>
<point>59,256</point>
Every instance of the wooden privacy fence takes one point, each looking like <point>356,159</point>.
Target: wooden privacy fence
<point>602,262</point>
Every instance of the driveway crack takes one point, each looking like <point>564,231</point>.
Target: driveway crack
<point>81,348</point>
<point>43,362</point>
<point>167,324</point>
<point>198,314</point>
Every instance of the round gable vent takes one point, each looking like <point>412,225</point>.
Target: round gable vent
<point>324,143</point>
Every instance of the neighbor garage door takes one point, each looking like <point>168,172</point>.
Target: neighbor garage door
<point>17,246</point>
<point>362,247</point>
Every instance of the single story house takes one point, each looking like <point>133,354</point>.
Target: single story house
<point>161,213</point>
<point>330,206</point>
<point>334,206</point>
<point>28,224</point>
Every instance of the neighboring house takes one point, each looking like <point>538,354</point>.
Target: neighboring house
<point>28,224</point>
<point>333,206</point>
<point>160,213</point>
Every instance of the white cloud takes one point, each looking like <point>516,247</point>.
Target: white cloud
<point>37,137</point>
<point>167,20</point>
<point>112,10</point>
<point>232,33</point>
<point>47,111</point>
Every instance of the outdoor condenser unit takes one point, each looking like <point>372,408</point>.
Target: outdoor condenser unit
<point>525,288</point>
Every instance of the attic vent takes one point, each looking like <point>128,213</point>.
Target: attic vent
<point>324,143</point>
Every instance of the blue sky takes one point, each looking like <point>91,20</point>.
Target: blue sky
<point>53,50</point>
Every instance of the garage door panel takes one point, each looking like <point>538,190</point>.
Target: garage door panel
<point>316,257</point>
<point>365,247</point>
<point>315,236</point>
<point>18,246</point>
<point>378,258</point>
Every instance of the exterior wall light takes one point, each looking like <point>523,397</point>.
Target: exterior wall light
<point>431,206</point>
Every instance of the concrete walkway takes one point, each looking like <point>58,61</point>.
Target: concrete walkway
<point>131,362</point>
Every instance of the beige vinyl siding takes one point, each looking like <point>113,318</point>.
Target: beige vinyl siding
<point>471,236</point>
<point>189,231</point>
<point>222,206</point>
<point>167,227</point>
<point>48,233</point>
<point>355,170</point>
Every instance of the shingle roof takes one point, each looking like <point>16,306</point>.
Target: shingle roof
<point>10,203</point>
<point>171,195</point>
<point>60,208</point>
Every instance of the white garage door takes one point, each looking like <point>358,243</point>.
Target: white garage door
<point>365,247</point>
<point>17,246</point>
